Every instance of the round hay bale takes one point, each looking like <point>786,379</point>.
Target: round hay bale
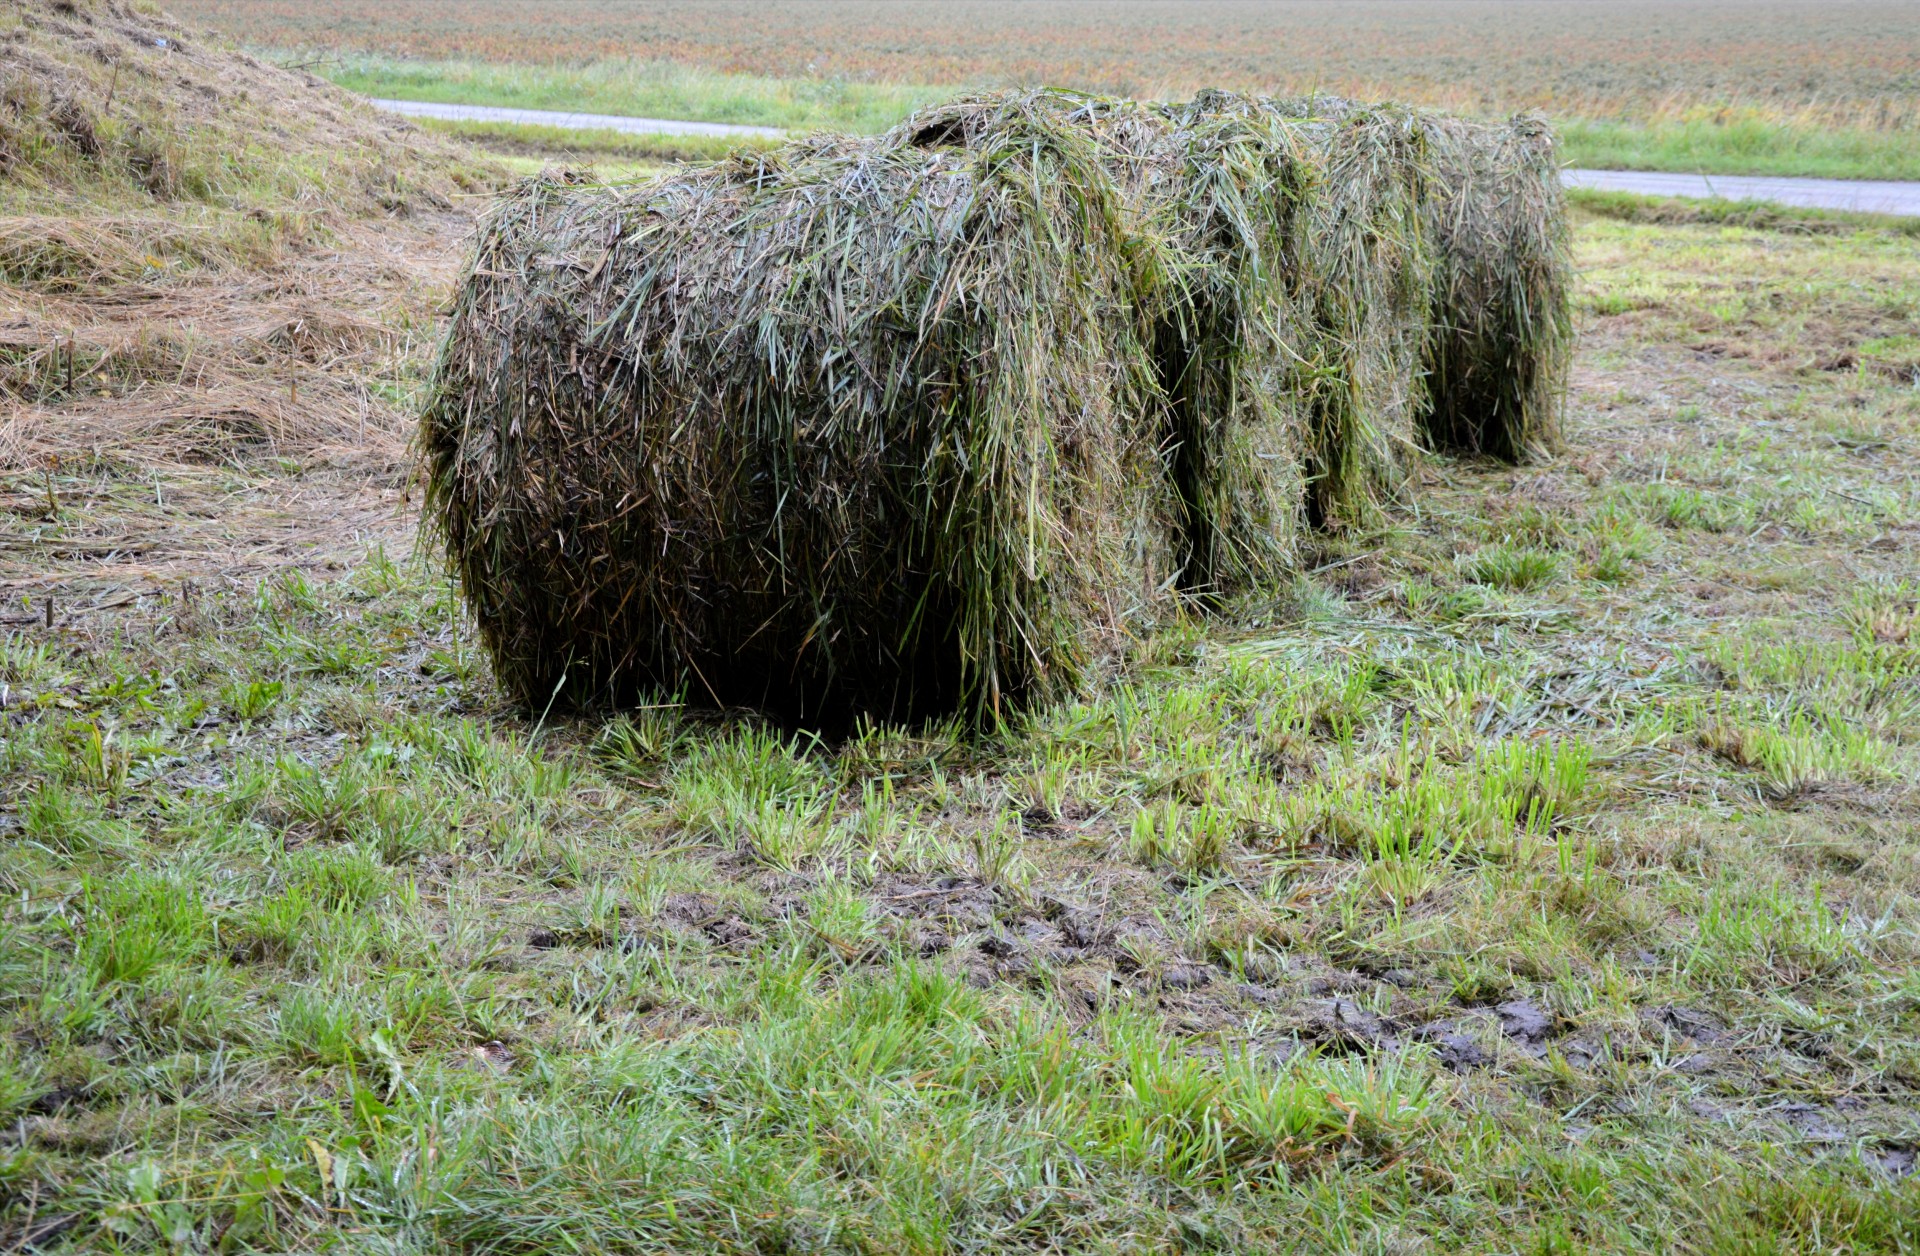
<point>1236,209</point>
<point>1368,274</point>
<point>1501,342</point>
<point>1215,202</point>
<point>842,429</point>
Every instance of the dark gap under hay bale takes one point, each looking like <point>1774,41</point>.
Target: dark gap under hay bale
<point>1501,340</point>
<point>840,429</point>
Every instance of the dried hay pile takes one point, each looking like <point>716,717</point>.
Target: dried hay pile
<point>1366,275</point>
<point>218,285</point>
<point>129,146</point>
<point>188,268</point>
<point>923,423</point>
<point>1290,313</point>
<point>1482,313</point>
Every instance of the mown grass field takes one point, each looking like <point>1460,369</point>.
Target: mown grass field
<point>1786,87</point>
<point>1537,873</point>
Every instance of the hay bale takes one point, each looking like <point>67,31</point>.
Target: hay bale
<point>1215,204</point>
<point>1502,321</point>
<point>921,424</point>
<point>1341,286</point>
<point>1235,209</point>
<point>1368,274</point>
<point>839,429</point>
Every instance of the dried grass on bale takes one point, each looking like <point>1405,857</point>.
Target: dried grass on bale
<point>1214,207</point>
<point>839,428</point>
<point>1502,320</point>
<point>1367,275</point>
<point>1470,347</point>
<point>1235,209</point>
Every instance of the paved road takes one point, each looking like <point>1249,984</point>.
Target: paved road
<point>1846,194</point>
<point>570,121</point>
<point>1859,196</point>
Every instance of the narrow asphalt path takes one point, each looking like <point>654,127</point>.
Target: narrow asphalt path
<point>568,121</point>
<point>1858,196</point>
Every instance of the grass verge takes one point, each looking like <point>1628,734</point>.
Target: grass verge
<point>1740,142</point>
<point>517,139</point>
<point>637,88</point>
<point>1750,215</point>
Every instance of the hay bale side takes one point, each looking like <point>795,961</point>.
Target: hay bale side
<point>1236,211</point>
<point>1502,319</point>
<point>835,430</point>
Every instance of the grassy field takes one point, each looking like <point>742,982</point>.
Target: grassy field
<point>1747,86</point>
<point>1538,871</point>
<point>1536,874</point>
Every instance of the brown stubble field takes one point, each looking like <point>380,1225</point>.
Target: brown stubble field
<point>1847,63</point>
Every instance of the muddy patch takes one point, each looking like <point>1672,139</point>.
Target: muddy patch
<point>1700,1026</point>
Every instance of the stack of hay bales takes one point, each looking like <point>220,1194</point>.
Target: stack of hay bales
<point>843,428</point>
<point>924,423</point>
<point>1235,211</point>
<point>1292,321</point>
<point>1490,283</point>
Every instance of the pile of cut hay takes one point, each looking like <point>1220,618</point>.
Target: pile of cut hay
<point>923,423</point>
<point>132,148</point>
<point>1488,289</point>
<point>842,428</point>
<point>199,258</point>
